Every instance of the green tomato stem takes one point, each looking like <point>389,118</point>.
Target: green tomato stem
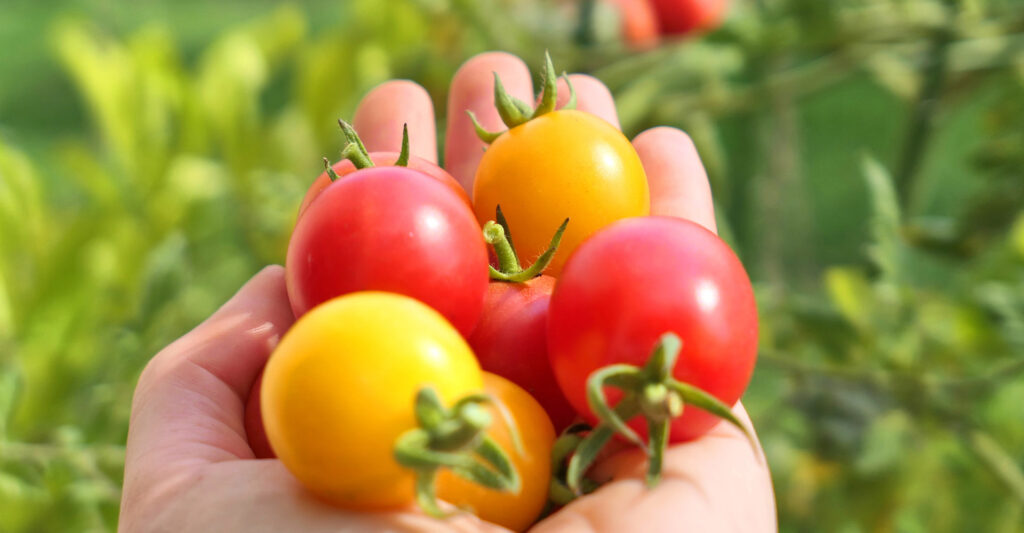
<point>355,150</point>
<point>657,434</point>
<point>652,392</point>
<point>509,269</point>
<point>510,111</point>
<point>464,429</point>
<point>549,93</point>
<point>454,439</point>
<point>403,155</point>
<point>330,170</point>
<point>494,235</point>
<point>426,497</point>
<point>358,158</point>
<point>351,136</point>
<point>514,112</point>
<point>484,135</point>
<point>571,102</point>
<point>565,445</point>
<point>592,444</point>
<point>499,217</point>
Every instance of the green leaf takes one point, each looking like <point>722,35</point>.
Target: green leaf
<point>893,72</point>
<point>851,294</point>
<point>885,444</point>
<point>886,248</point>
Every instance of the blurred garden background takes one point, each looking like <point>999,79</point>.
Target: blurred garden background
<point>866,156</point>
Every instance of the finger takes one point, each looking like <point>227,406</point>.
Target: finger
<point>628,465</point>
<point>473,89</point>
<point>714,484</point>
<point>677,179</point>
<point>591,96</point>
<point>189,402</point>
<point>264,496</point>
<point>385,109</point>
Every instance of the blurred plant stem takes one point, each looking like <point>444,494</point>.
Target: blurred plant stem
<point>1000,462</point>
<point>811,76</point>
<point>782,208</point>
<point>923,117</point>
<point>885,379</point>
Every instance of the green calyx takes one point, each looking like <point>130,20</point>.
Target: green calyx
<point>514,111</point>
<point>355,150</point>
<point>497,234</point>
<point>453,438</point>
<point>651,392</point>
<point>565,445</point>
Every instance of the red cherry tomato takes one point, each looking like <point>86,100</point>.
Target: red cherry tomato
<point>390,229</point>
<point>254,423</point>
<point>383,159</point>
<point>511,341</point>
<point>642,277</point>
<point>683,16</point>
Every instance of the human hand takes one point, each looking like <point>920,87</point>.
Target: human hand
<point>189,466</point>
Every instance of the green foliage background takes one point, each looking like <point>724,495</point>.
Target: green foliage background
<point>867,159</point>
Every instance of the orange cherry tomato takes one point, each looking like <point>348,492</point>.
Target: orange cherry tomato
<point>533,462</point>
<point>562,164</point>
<point>639,22</point>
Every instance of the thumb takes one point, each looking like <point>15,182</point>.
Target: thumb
<point>189,402</point>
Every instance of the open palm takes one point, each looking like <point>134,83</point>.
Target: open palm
<point>189,466</point>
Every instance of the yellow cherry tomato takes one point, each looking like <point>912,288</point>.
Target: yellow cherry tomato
<point>339,390</point>
<point>515,511</point>
<point>563,164</point>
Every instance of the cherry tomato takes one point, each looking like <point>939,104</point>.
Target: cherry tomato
<point>683,16</point>
<point>511,340</point>
<point>254,423</point>
<point>561,164</point>
<point>514,511</point>
<point>391,229</point>
<point>643,277</point>
<point>383,159</point>
<point>339,388</point>
<point>639,22</point>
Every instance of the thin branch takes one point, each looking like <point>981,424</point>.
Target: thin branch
<point>999,461</point>
<point>884,378</point>
<point>922,120</point>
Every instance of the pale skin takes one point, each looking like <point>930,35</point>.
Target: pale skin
<point>189,466</point>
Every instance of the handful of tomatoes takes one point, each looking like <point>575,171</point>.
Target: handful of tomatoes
<point>443,338</point>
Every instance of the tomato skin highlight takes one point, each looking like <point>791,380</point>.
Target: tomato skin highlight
<point>339,389</point>
<point>382,159</point>
<point>390,229</point>
<point>514,511</point>
<point>254,431</point>
<point>643,277</point>
<point>677,17</point>
<point>562,164</point>
<point>511,341</point>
